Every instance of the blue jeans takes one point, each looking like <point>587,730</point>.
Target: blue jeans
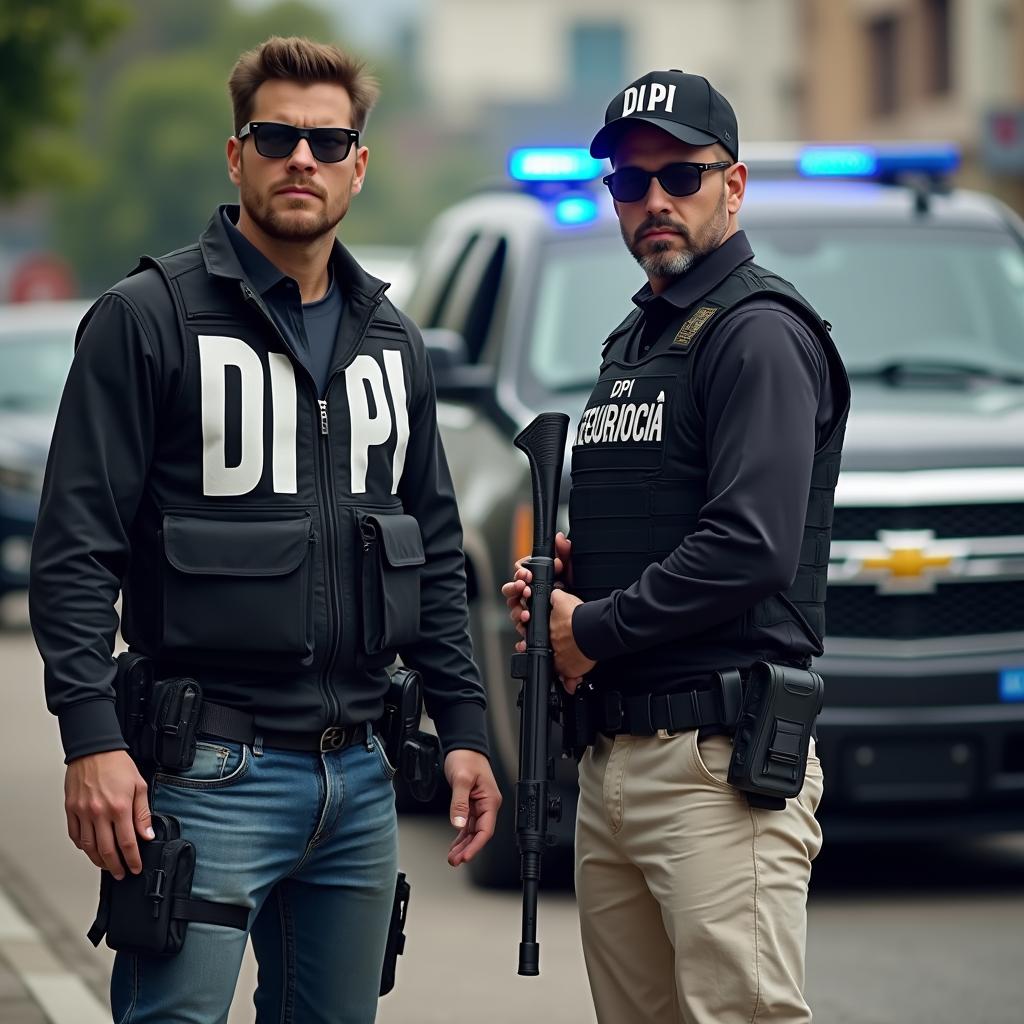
<point>307,841</point>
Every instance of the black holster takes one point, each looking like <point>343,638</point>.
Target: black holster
<point>158,717</point>
<point>415,754</point>
<point>773,733</point>
<point>149,912</point>
<point>396,934</point>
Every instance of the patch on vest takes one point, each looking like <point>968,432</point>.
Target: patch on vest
<point>685,335</point>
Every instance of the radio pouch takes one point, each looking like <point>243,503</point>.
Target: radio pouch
<point>149,912</point>
<point>168,737</point>
<point>773,733</point>
<point>396,934</point>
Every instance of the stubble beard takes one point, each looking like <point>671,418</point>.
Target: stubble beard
<point>276,224</point>
<point>665,258</point>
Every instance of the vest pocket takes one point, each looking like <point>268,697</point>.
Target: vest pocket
<point>392,553</point>
<point>237,587</point>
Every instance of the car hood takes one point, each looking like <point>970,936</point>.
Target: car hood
<point>906,428</point>
<point>25,438</point>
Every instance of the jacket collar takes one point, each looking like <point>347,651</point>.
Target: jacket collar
<point>222,261</point>
<point>701,278</point>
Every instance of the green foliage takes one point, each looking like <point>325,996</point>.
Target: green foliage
<point>158,117</point>
<point>41,42</point>
<point>161,132</point>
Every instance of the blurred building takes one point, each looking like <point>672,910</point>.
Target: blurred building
<point>538,71</point>
<point>921,69</point>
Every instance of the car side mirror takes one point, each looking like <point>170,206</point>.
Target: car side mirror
<point>446,349</point>
<point>455,377</point>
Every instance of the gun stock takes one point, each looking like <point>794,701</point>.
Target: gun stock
<point>543,441</point>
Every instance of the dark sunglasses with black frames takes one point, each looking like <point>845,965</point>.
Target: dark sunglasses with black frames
<point>276,141</point>
<point>630,184</point>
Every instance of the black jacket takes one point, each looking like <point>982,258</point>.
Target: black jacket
<point>194,465</point>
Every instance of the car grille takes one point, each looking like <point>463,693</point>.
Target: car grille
<point>995,520</point>
<point>954,609</point>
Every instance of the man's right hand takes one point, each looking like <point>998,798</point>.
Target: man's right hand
<point>517,590</point>
<point>106,802</point>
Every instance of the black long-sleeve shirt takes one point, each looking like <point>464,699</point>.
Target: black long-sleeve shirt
<point>765,402</point>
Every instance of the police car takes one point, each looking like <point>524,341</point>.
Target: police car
<point>923,729</point>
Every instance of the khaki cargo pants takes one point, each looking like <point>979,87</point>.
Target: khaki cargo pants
<point>692,903</point>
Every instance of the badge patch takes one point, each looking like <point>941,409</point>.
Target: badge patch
<point>684,337</point>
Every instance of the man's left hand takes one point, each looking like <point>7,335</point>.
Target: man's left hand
<point>475,803</point>
<point>570,662</point>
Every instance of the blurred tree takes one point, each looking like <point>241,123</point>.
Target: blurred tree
<point>40,66</point>
<point>159,134</point>
<point>159,116</point>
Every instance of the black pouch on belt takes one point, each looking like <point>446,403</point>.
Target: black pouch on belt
<point>769,757</point>
<point>133,686</point>
<point>168,737</point>
<point>396,934</point>
<point>392,556</point>
<point>149,912</point>
<point>415,754</point>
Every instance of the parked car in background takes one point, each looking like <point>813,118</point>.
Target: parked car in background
<point>923,728</point>
<point>36,346</point>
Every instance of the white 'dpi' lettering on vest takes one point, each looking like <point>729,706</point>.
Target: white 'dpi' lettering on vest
<point>373,431</point>
<point>220,480</point>
<point>625,423</point>
<point>659,98</point>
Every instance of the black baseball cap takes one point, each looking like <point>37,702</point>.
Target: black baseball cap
<point>686,106</point>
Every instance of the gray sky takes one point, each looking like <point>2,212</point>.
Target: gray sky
<point>370,23</point>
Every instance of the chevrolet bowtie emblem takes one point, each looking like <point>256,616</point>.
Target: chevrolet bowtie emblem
<point>898,562</point>
<point>908,562</point>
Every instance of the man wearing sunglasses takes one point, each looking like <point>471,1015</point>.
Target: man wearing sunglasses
<point>703,474</point>
<point>247,445</point>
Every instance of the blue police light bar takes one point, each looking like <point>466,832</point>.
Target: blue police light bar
<point>571,211</point>
<point>884,161</point>
<point>553,164</point>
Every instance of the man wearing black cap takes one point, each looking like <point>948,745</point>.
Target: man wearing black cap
<point>703,475</point>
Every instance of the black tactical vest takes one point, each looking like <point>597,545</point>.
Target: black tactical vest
<point>640,479</point>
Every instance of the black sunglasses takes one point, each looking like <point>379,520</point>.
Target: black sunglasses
<point>629,184</point>
<point>276,141</point>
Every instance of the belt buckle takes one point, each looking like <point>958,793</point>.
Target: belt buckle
<point>332,738</point>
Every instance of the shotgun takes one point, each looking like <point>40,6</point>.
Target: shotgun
<point>543,441</point>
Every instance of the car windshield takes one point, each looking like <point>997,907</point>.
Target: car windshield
<point>33,364</point>
<point>896,297</point>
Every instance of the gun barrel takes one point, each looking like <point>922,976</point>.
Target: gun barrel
<point>543,441</point>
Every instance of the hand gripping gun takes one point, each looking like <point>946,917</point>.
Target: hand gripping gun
<point>543,441</point>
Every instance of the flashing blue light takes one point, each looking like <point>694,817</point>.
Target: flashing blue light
<point>846,162</point>
<point>575,210</point>
<point>882,161</point>
<point>550,164</point>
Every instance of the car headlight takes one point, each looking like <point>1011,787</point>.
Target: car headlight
<point>24,481</point>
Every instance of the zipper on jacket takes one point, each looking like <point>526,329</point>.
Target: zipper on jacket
<point>334,584</point>
<point>324,496</point>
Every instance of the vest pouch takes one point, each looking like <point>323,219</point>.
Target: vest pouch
<point>149,912</point>
<point>392,553</point>
<point>242,588</point>
<point>773,733</point>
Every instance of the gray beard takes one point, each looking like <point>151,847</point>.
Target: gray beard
<point>665,260</point>
<point>666,263</point>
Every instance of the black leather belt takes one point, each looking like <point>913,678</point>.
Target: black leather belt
<point>221,722</point>
<point>667,713</point>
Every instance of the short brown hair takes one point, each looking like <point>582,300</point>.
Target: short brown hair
<point>296,59</point>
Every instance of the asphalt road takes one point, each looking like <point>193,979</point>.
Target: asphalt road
<point>914,935</point>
